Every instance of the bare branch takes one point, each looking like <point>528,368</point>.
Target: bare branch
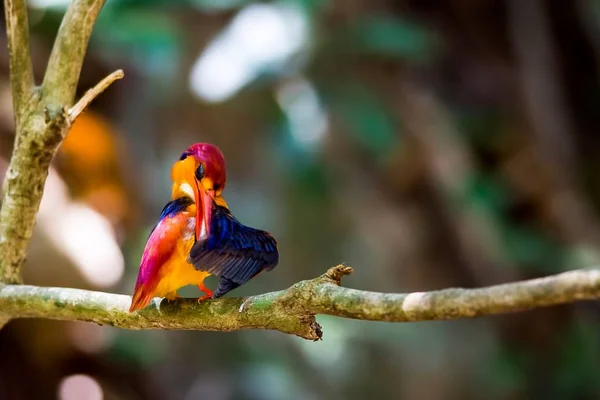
<point>455,303</point>
<point>21,69</point>
<point>94,92</point>
<point>66,59</point>
<point>293,310</point>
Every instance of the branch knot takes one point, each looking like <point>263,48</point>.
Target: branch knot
<point>336,273</point>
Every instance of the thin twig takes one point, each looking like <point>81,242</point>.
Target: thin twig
<point>293,310</point>
<point>94,92</point>
<point>21,69</point>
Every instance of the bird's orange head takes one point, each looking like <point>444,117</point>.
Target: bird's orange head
<point>200,174</point>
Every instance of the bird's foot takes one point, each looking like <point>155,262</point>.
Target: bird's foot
<point>207,291</point>
<point>205,297</point>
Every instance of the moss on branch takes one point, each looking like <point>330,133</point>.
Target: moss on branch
<point>293,310</point>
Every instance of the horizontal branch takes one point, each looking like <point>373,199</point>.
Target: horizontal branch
<point>293,310</point>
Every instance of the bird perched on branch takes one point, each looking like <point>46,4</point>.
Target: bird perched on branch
<point>197,236</point>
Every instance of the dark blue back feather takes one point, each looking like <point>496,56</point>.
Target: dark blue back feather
<point>173,207</point>
<point>234,252</point>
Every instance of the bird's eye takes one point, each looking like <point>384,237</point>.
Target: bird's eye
<point>200,172</point>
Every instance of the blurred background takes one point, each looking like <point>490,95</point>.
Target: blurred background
<point>427,144</point>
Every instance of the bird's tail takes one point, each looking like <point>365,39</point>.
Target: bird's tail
<point>141,298</point>
<point>225,286</point>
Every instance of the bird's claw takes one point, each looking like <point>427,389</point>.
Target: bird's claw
<point>208,293</point>
<point>205,297</point>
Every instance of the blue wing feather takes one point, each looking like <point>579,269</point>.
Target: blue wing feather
<point>173,207</point>
<point>234,252</point>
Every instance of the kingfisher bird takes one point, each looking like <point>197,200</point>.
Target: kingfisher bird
<point>197,236</point>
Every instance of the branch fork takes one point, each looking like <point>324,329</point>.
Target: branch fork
<point>42,119</point>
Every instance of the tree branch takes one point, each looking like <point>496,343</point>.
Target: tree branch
<point>66,59</point>
<point>94,92</point>
<point>42,121</point>
<point>293,310</point>
<point>21,69</point>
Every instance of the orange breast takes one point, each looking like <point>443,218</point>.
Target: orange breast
<point>177,272</point>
